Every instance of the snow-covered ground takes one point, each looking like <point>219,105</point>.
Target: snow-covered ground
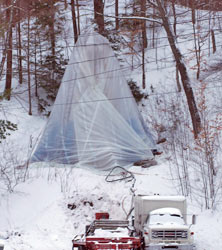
<point>55,204</point>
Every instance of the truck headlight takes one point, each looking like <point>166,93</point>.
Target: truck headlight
<point>184,234</point>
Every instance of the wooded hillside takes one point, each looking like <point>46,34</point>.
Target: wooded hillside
<point>151,39</point>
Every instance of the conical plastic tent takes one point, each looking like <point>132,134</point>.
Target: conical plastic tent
<point>95,120</point>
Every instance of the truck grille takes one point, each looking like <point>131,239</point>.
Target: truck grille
<point>172,234</point>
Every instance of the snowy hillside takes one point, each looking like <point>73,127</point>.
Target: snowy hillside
<point>54,205</point>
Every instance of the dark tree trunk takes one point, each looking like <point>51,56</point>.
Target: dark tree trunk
<point>40,48</point>
<point>195,117</point>
<point>174,18</point>
<point>143,68</point>
<point>52,34</point>
<point>8,82</point>
<point>75,31</point>
<point>193,9</point>
<point>197,51</point>
<point>19,45</point>
<point>117,13</point>
<point>213,41</point>
<point>65,4</point>
<point>4,54</point>
<point>144,41</point>
<point>36,79</point>
<point>78,16</point>
<point>28,65</point>
<point>143,14</point>
<point>99,15</point>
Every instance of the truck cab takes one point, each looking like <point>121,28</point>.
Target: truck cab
<point>162,221</point>
<point>166,227</point>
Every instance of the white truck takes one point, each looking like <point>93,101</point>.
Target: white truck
<point>162,222</point>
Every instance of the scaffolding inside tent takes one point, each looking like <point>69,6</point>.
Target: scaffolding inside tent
<point>95,120</point>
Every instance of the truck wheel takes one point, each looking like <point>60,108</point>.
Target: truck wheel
<point>142,247</point>
<point>81,248</point>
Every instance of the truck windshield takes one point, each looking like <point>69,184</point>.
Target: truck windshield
<point>162,219</point>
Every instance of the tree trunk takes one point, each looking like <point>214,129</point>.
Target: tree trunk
<point>52,34</point>
<point>195,117</point>
<point>143,68</point>
<point>117,13</point>
<point>196,49</point>
<point>193,9</point>
<point>143,23</point>
<point>75,31</point>
<point>144,41</point>
<point>196,38</point>
<point>78,16</point>
<point>213,41</point>
<point>154,27</point>
<point>8,82</point>
<point>99,15</point>
<point>8,19</point>
<point>28,65</point>
<point>35,67</point>
<point>65,4</point>
<point>19,45</point>
<point>40,48</point>
<point>174,18</point>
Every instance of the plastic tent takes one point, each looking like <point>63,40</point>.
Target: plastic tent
<point>95,120</point>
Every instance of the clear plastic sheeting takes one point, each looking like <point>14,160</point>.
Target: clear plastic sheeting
<point>95,120</point>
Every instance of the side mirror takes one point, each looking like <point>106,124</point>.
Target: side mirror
<point>194,218</point>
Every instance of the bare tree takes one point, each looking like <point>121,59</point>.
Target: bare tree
<point>9,20</point>
<point>174,18</point>
<point>74,24</point>
<point>143,22</point>
<point>196,38</point>
<point>65,4</point>
<point>99,14</point>
<point>144,41</point>
<point>117,13</point>
<point>195,117</point>
<point>213,41</point>
<point>28,63</point>
<point>52,33</point>
<point>78,16</point>
<point>19,42</point>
